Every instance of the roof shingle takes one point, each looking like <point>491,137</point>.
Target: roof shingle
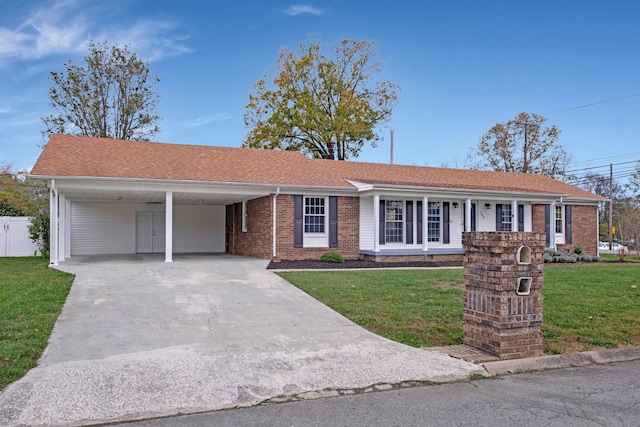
<point>77,156</point>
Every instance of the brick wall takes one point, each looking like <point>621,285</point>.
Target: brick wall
<point>348,230</point>
<point>584,227</point>
<point>257,240</point>
<point>497,319</point>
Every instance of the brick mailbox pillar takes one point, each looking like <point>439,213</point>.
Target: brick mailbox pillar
<point>503,276</point>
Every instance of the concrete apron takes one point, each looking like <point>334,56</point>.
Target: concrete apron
<point>141,338</point>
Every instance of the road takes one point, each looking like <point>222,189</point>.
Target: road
<point>603,395</point>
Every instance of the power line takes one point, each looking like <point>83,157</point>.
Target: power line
<point>603,166</point>
<point>593,103</point>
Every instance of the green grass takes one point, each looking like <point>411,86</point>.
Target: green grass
<point>31,298</point>
<point>586,307</point>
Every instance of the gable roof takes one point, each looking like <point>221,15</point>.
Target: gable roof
<point>67,156</point>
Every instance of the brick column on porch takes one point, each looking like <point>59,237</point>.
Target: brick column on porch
<point>502,296</point>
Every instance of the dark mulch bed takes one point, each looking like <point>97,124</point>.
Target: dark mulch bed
<point>356,263</point>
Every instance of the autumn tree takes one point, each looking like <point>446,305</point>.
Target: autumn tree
<point>522,144</point>
<point>324,104</point>
<point>19,196</point>
<point>111,96</point>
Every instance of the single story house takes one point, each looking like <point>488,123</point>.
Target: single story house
<point>124,197</point>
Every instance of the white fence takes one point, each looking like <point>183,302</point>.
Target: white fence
<point>14,237</point>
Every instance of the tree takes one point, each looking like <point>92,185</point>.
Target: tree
<point>521,144</point>
<point>19,197</point>
<point>325,106</point>
<point>634,181</point>
<point>601,185</point>
<point>112,96</point>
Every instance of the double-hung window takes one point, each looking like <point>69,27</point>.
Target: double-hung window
<point>314,214</point>
<point>504,217</point>
<point>559,221</point>
<point>393,221</point>
<point>433,222</point>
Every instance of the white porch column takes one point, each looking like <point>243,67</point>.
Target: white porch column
<point>168,230</point>
<point>67,235</point>
<point>514,215</point>
<point>425,224</point>
<point>552,225</point>
<point>62,227</point>
<point>274,234</point>
<point>467,215</point>
<point>376,223</point>
<point>53,223</point>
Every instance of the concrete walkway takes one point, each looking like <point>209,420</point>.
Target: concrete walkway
<point>140,338</point>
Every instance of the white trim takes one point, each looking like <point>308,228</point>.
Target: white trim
<point>425,224</point>
<point>168,224</point>
<point>552,225</point>
<point>62,226</point>
<point>376,222</point>
<point>67,236</point>
<point>53,223</point>
<point>274,226</point>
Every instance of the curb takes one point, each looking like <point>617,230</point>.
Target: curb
<point>533,364</point>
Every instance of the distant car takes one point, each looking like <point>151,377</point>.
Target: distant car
<point>615,248</point>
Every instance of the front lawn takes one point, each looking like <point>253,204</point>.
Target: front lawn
<point>586,306</point>
<point>31,298</point>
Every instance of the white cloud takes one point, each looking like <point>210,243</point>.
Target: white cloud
<point>62,27</point>
<point>5,110</point>
<point>210,118</point>
<point>299,9</point>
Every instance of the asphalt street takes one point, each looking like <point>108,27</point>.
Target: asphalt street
<point>599,395</point>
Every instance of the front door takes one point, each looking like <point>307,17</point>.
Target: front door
<point>150,232</point>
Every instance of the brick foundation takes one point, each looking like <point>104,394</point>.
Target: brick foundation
<point>497,319</point>
<point>410,258</point>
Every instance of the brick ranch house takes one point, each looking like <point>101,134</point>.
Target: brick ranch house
<point>125,197</point>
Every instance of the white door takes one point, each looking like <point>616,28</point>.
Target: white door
<point>150,232</point>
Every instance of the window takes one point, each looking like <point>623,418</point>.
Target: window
<point>504,218</point>
<point>559,220</point>
<point>433,222</point>
<point>314,214</point>
<point>244,217</point>
<point>393,221</point>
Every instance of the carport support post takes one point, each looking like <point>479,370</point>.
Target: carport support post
<point>53,223</point>
<point>168,243</point>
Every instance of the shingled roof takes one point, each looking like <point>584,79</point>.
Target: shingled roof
<point>77,156</point>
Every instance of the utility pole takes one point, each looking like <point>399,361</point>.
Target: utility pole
<point>391,150</point>
<point>525,161</point>
<point>610,206</point>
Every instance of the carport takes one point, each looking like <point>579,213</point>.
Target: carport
<point>95,216</point>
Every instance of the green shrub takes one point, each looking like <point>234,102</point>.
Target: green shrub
<point>577,249</point>
<point>332,257</point>
<point>39,231</point>
<point>550,256</point>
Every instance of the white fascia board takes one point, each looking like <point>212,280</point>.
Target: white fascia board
<point>183,185</point>
<point>384,189</point>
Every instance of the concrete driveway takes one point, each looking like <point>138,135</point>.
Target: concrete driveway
<point>140,338</point>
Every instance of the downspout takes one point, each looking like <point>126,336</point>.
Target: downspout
<point>273,229</point>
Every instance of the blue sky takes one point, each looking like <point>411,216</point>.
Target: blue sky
<point>462,66</point>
